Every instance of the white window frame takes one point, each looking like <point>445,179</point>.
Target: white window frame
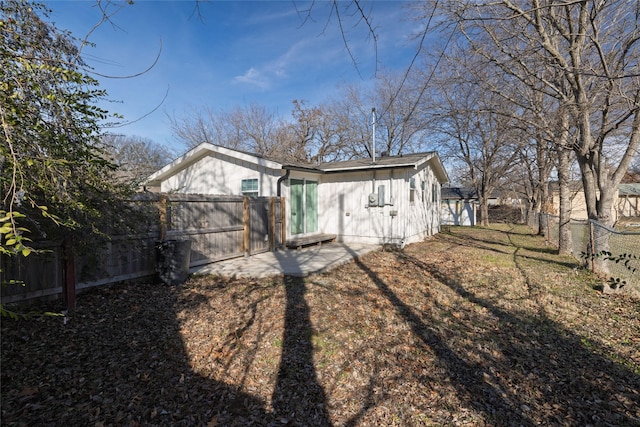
<point>250,192</point>
<point>412,190</point>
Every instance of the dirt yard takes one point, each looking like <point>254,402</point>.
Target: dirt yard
<point>473,327</point>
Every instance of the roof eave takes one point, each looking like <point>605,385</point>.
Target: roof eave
<point>371,167</point>
<point>301,168</point>
<point>439,169</point>
<point>201,151</point>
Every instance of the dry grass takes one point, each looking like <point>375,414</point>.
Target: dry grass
<point>474,327</point>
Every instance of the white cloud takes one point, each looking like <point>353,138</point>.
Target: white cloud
<point>255,78</point>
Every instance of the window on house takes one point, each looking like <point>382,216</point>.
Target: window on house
<point>434,194</point>
<point>250,187</point>
<point>412,189</point>
<point>423,187</point>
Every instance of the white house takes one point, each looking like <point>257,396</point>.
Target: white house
<point>392,200</point>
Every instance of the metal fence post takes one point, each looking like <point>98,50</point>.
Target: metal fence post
<point>592,246</point>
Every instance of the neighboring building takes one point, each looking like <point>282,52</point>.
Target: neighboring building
<point>626,204</point>
<point>459,206</point>
<point>628,200</point>
<point>392,200</point>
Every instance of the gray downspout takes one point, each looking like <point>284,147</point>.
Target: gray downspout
<point>280,180</point>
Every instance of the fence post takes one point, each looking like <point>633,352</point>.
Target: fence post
<point>272,223</point>
<point>69,275</point>
<point>162,208</point>
<point>246,241</point>
<point>592,246</point>
<point>548,234</point>
<point>283,219</point>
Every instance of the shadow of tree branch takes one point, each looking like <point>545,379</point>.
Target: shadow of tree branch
<point>538,351</point>
<point>468,378</point>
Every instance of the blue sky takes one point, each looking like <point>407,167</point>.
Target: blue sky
<point>234,54</point>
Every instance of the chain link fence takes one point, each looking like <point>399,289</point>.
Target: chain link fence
<point>613,254</point>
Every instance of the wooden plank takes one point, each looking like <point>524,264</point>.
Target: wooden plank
<point>272,223</point>
<point>8,299</point>
<point>283,217</point>
<point>40,272</point>
<point>246,248</point>
<point>113,279</point>
<point>259,225</point>
<point>310,240</point>
<point>162,208</point>
<point>192,232</point>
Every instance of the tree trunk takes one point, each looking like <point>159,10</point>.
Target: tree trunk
<point>484,212</point>
<point>565,243</point>
<point>599,194</point>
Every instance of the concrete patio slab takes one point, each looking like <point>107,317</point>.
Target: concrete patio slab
<point>294,262</point>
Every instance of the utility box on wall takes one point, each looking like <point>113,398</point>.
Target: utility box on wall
<point>373,199</point>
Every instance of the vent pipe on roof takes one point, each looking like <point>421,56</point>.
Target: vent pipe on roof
<point>373,134</point>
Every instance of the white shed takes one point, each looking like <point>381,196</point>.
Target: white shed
<point>459,206</point>
<point>392,200</point>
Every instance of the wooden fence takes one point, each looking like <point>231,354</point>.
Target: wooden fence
<point>219,228</point>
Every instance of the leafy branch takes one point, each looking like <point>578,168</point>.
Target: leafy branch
<point>627,260</point>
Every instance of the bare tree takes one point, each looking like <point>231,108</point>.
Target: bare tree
<point>135,157</point>
<point>633,174</point>
<point>476,128</point>
<point>401,124</point>
<point>585,54</point>
<point>595,48</point>
<point>331,140</point>
<point>255,129</point>
<point>250,128</point>
<point>351,114</point>
<point>203,125</point>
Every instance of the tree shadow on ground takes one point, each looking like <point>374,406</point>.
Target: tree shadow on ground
<point>567,381</point>
<point>121,359</point>
<point>462,240</point>
<point>574,385</point>
<point>118,360</point>
<point>507,246</point>
<point>467,377</point>
<point>298,397</point>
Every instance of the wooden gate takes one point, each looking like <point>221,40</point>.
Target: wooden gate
<point>258,226</point>
<point>263,224</point>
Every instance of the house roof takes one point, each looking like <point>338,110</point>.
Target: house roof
<point>404,161</point>
<point>632,189</point>
<point>381,162</point>
<point>458,193</point>
<point>388,162</point>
